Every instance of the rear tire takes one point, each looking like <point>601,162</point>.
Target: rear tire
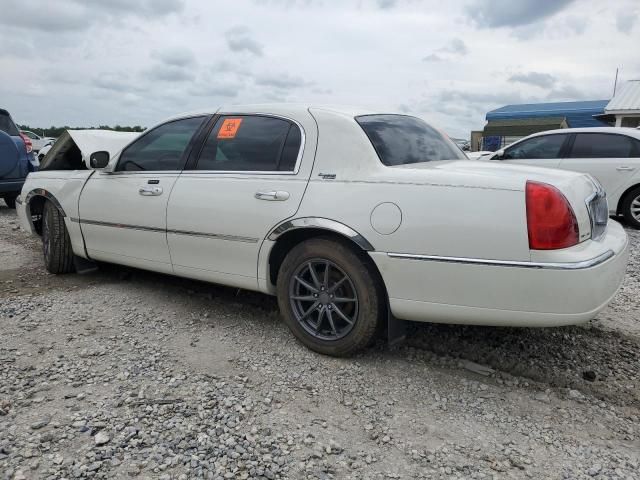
<point>631,208</point>
<point>10,200</point>
<point>330,297</point>
<point>56,244</point>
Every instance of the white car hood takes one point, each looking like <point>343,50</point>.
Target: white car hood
<point>88,141</point>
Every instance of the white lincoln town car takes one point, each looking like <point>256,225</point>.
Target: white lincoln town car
<point>349,217</point>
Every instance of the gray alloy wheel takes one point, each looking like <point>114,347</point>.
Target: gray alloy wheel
<point>635,208</point>
<point>630,208</point>
<point>330,296</point>
<point>323,299</point>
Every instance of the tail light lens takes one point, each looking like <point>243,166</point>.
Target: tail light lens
<point>27,142</point>
<point>551,221</point>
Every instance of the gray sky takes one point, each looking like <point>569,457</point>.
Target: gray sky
<point>91,62</point>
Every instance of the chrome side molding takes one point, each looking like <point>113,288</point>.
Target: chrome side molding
<point>592,262</point>
<point>218,236</point>
<point>323,223</point>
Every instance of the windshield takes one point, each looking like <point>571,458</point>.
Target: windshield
<point>401,140</point>
<point>7,125</point>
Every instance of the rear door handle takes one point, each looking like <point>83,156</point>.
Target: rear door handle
<point>624,168</point>
<point>273,196</point>
<point>149,191</point>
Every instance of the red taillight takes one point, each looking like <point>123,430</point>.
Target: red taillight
<point>27,142</point>
<point>550,219</point>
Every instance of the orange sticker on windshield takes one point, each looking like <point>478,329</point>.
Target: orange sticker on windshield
<point>229,127</point>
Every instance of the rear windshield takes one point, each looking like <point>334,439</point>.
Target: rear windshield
<point>7,125</point>
<point>399,140</point>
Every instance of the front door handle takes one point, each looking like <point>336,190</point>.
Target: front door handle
<point>149,191</point>
<point>273,196</point>
<point>624,168</point>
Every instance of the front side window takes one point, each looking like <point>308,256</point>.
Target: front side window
<point>251,143</point>
<point>162,148</point>
<point>547,146</point>
<point>401,140</point>
<point>603,145</point>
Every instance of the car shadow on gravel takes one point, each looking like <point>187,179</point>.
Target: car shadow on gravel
<point>602,363</point>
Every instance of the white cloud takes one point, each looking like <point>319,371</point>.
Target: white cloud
<point>92,62</point>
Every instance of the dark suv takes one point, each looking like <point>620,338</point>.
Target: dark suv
<point>15,160</point>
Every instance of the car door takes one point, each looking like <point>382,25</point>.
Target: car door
<point>611,158</point>
<point>122,212</point>
<point>250,174</point>
<point>539,151</point>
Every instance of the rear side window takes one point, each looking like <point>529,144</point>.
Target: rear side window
<point>162,148</point>
<point>547,146</point>
<point>251,143</point>
<point>7,125</point>
<point>604,145</point>
<point>401,140</point>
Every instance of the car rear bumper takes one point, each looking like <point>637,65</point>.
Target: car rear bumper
<point>488,292</point>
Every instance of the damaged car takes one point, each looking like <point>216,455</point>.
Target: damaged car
<point>351,218</point>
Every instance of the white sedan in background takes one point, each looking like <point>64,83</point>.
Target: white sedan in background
<point>611,155</point>
<point>349,217</point>
<point>37,141</point>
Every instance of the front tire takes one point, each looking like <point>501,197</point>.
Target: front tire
<point>330,297</point>
<point>10,200</point>
<point>56,244</point>
<point>631,208</point>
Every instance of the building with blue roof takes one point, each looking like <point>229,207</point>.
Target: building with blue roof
<point>507,124</point>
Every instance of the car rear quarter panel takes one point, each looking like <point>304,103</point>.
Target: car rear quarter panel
<point>443,213</point>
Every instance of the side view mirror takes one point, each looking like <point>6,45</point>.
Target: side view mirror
<point>99,159</point>
<point>498,155</point>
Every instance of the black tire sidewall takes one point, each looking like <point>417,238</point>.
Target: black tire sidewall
<point>626,207</point>
<point>47,226</point>
<point>60,253</point>
<point>365,283</point>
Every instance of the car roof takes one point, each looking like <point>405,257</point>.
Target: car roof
<point>631,132</point>
<point>293,110</point>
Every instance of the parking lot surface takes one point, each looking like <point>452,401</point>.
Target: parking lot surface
<point>122,373</point>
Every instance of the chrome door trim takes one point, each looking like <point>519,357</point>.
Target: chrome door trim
<point>219,236</point>
<point>118,225</point>
<point>323,223</point>
<point>592,262</point>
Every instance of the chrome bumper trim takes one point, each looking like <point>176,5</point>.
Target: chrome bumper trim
<point>592,262</point>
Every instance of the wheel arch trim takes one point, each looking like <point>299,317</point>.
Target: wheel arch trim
<point>624,196</point>
<point>323,224</point>
<point>41,192</point>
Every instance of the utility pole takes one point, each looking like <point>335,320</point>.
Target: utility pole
<point>615,83</point>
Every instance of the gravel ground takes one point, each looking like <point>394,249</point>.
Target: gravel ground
<point>122,374</point>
